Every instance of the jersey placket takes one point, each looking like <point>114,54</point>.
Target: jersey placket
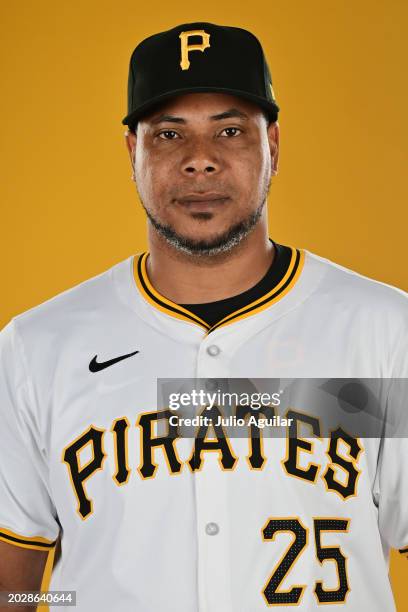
<point>213,510</point>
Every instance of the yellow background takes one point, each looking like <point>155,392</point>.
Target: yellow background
<point>68,207</point>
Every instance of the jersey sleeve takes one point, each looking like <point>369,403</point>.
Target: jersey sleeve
<point>27,515</point>
<point>392,469</point>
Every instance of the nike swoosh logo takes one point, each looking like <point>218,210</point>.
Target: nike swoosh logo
<point>96,366</point>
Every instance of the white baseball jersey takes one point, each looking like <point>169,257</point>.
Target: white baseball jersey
<point>145,528</point>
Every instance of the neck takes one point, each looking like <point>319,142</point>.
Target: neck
<point>186,279</point>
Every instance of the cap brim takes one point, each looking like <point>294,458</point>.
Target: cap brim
<point>271,107</point>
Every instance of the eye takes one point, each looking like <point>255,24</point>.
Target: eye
<point>230,132</point>
<point>168,135</point>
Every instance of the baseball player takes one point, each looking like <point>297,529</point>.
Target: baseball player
<point>148,520</point>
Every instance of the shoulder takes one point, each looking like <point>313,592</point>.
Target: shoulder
<point>346,287</point>
<point>361,311</point>
<point>74,308</point>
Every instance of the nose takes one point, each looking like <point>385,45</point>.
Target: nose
<point>201,159</point>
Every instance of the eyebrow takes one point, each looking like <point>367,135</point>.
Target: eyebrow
<point>231,113</point>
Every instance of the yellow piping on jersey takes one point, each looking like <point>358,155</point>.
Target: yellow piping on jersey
<point>295,267</point>
<point>36,542</point>
<point>158,300</point>
<point>175,310</point>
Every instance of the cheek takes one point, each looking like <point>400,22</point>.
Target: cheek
<point>251,171</point>
<point>152,175</point>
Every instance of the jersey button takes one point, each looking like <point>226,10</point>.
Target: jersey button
<point>213,350</point>
<point>211,529</point>
<point>211,385</point>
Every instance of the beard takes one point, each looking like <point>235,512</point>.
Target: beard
<point>222,243</point>
<point>211,247</point>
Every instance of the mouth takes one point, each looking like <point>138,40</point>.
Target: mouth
<point>202,200</point>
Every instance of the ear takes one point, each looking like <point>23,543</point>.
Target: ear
<point>130,138</point>
<point>273,138</point>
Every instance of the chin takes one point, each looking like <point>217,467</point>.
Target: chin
<point>198,233</point>
<point>202,237</point>
<point>205,243</point>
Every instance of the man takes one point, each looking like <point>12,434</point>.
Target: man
<point>154,521</point>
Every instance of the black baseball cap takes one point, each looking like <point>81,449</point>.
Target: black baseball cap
<point>198,57</point>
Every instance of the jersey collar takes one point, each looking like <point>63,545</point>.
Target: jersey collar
<point>165,305</point>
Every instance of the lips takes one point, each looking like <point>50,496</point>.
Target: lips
<point>203,198</point>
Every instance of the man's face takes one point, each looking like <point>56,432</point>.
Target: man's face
<point>203,165</point>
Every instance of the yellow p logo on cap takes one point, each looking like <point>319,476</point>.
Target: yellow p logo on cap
<point>186,48</point>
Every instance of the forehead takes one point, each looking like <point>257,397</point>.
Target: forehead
<point>203,105</point>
